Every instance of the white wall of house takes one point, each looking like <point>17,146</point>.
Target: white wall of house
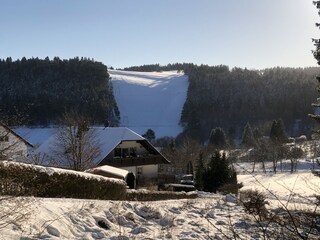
<point>150,171</point>
<point>147,171</point>
<point>11,146</point>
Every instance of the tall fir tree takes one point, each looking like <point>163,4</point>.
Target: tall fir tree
<point>247,136</point>
<point>200,173</point>
<point>277,132</point>
<point>316,105</point>
<point>149,135</point>
<point>219,173</point>
<point>316,54</point>
<point>218,138</point>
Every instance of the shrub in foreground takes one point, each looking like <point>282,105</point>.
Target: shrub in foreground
<point>146,195</point>
<point>18,179</point>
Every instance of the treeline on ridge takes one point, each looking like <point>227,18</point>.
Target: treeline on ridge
<point>43,90</point>
<point>229,98</point>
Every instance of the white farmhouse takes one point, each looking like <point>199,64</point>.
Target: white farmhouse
<point>12,145</point>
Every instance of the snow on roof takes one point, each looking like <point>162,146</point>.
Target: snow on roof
<point>16,134</point>
<point>107,139</point>
<point>36,135</point>
<point>111,170</point>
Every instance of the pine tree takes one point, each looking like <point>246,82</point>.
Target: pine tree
<point>218,174</point>
<point>247,136</point>
<point>316,54</point>
<point>149,135</point>
<point>218,138</point>
<point>277,132</point>
<point>200,173</point>
<point>316,105</point>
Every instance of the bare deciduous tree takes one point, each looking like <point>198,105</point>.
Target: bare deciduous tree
<point>76,144</point>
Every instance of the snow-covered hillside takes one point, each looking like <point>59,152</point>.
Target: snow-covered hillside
<point>150,100</point>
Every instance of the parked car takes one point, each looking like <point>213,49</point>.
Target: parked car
<point>187,179</point>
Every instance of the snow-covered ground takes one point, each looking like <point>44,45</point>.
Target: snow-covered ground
<point>211,216</point>
<point>150,100</point>
<point>94,219</point>
<point>297,188</point>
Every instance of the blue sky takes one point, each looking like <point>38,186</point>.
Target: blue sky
<point>121,33</point>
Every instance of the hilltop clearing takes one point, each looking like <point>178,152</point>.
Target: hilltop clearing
<point>150,100</point>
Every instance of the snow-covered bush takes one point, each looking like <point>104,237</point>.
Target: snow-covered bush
<point>301,139</point>
<point>18,179</point>
<point>146,195</point>
<point>254,202</point>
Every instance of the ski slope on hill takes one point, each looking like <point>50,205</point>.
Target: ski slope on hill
<point>150,100</point>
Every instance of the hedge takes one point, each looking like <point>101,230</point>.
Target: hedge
<point>146,195</point>
<point>18,179</point>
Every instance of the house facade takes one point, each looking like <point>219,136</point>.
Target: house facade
<point>136,156</point>
<point>122,148</point>
<point>132,152</point>
<point>13,146</point>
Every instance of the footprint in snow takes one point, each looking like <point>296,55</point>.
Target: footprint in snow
<point>220,223</point>
<point>175,210</point>
<point>180,221</point>
<point>138,230</point>
<point>53,231</point>
<point>210,214</point>
<point>119,238</point>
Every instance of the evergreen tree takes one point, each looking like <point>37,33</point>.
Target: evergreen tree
<point>149,135</point>
<point>316,54</point>
<point>257,134</point>
<point>218,138</point>
<point>277,132</point>
<point>219,173</point>
<point>247,136</point>
<point>43,90</point>
<point>200,173</point>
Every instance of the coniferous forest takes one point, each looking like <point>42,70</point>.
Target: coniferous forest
<point>229,98</point>
<point>218,96</point>
<point>41,91</point>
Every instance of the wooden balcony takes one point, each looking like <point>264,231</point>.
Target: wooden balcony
<point>134,161</point>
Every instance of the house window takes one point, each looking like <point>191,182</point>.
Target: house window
<point>117,152</point>
<point>133,152</point>
<point>125,152</point>
<point>4,138</point>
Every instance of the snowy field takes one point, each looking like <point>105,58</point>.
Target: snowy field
<point>150,100</point>
<point>94,219</point>
<point>297,190</point>
<point>207,217</point>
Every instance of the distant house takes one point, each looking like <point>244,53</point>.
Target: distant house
<point>122,148</point>
<point>13,146</point>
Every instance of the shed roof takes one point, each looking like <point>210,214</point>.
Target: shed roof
<point>109,170</point>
